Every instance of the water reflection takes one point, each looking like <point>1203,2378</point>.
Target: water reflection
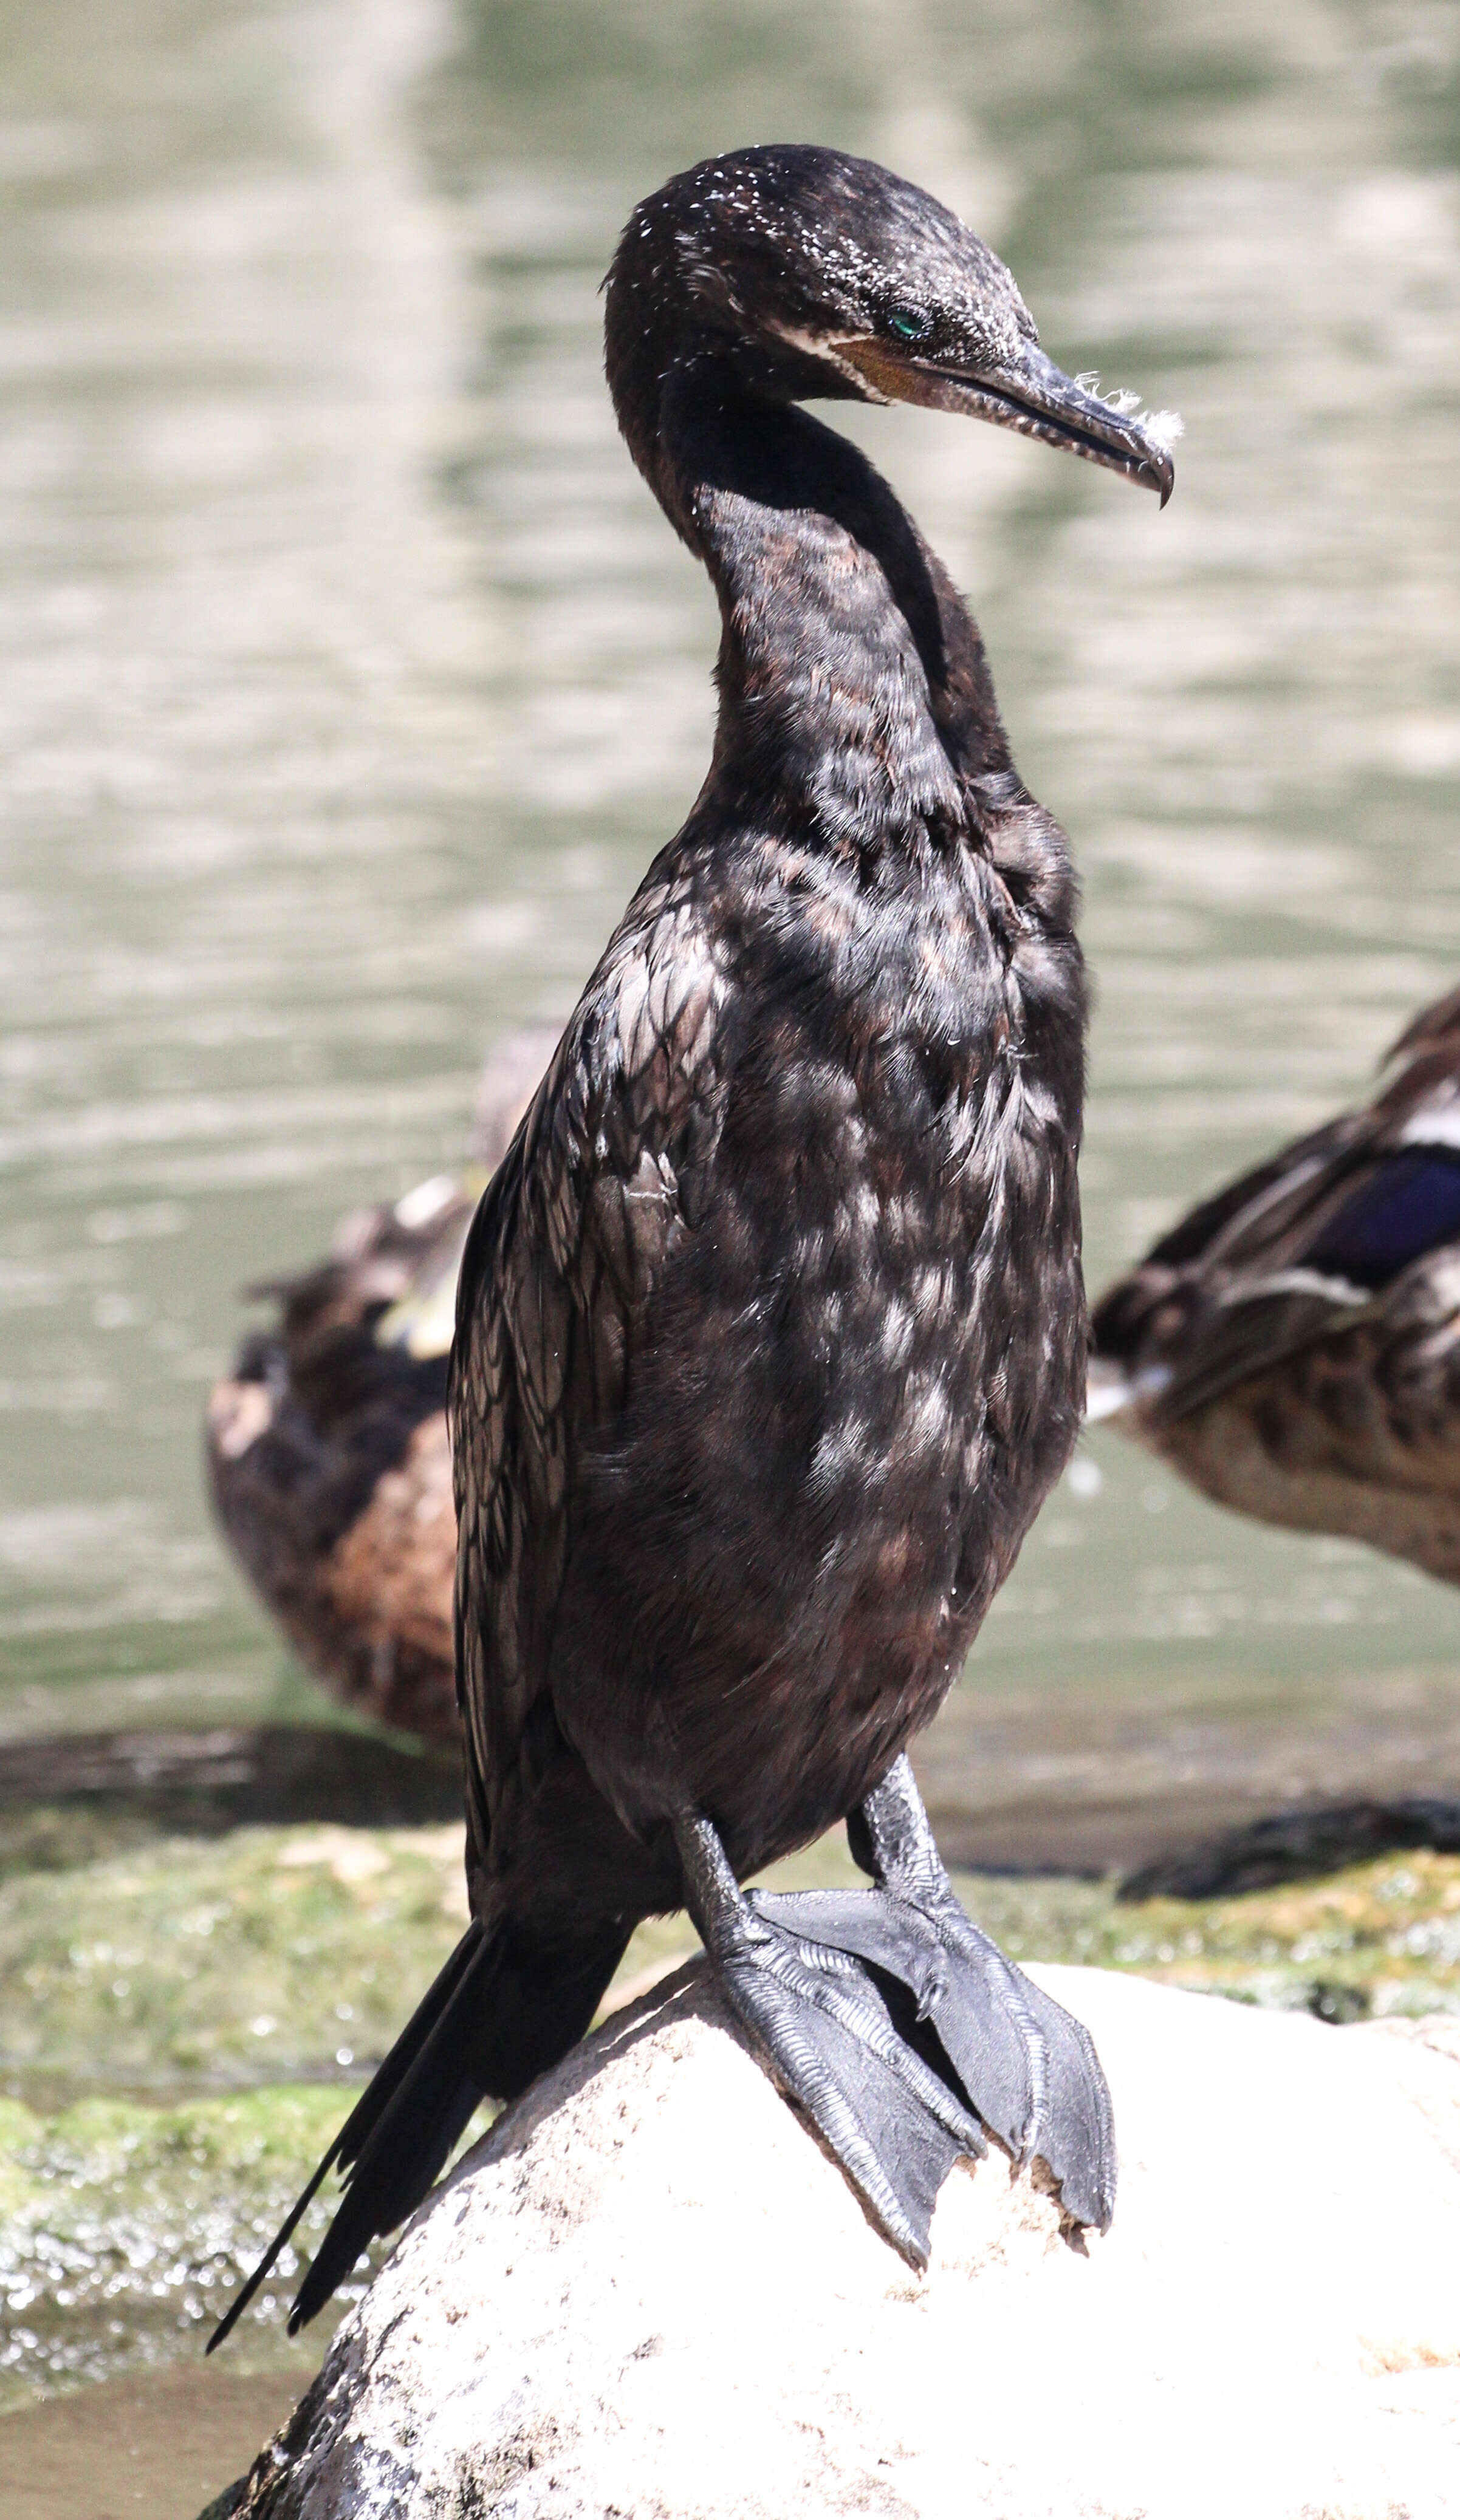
<point>348,677</point>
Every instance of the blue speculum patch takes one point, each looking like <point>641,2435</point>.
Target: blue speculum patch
<point>1411,1205</point>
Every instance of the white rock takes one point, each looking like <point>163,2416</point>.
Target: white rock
<point>648,2292</point>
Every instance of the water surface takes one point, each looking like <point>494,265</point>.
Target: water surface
<point>348,678</point>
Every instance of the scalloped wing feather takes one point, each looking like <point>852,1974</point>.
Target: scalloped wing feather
<point>1326,1233</point>
<point>599,1184</point>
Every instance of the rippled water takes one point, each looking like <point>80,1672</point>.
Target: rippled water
<point>348,677</point>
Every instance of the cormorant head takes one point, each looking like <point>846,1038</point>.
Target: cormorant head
<point>814,274</point>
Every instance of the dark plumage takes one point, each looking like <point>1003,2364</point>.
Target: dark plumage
<point>1293,1346</point>
<point>325,1445</point>
<point>771,1329</point>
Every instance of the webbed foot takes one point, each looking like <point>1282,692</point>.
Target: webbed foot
<point>895,2126</point>
<point>1025,2063</point>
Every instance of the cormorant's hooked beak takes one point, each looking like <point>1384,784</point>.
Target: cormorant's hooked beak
<point>1029,394</point>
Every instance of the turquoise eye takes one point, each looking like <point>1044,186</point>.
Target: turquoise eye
<point>908,323</point>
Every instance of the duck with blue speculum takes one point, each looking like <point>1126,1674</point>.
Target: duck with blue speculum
<point>1292,1346</point>
<point>771,1332</point>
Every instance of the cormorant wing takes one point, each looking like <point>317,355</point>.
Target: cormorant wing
<point>603,1180</point>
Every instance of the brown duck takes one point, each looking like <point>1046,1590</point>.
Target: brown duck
<point>1293,1346</point>
<point>326,1446</point>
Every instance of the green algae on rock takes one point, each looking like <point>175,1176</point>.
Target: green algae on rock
<point>295,1954</point>
<point>1379,1938</point>
<point>262,1956</point>
<point>269,1955</point>
<point>279,1963</point>
<point>124,2229</point>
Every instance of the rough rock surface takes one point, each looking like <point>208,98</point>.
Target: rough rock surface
<point>648,2292</point>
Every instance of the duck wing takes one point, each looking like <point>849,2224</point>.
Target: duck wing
<point>1328,1233</point>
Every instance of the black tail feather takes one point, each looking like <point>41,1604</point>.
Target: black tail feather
<point>275,2250</point>
<point>406,2145</point>
<point>364,2116</point>
<point>499,2014</point>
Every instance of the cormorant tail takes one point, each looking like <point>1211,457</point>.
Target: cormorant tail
<point>499,2014</point>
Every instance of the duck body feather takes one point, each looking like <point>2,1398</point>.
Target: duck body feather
<point>326,1449</point>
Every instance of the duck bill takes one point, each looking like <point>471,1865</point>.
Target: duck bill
<point>1030,395</point>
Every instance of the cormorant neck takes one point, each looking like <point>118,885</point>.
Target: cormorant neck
<point>853,689</point>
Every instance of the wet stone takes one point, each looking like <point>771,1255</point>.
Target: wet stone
<point>648,2290</point>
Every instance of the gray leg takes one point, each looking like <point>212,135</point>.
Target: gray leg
<point>1028,2068</point>
<point>895,2126</point>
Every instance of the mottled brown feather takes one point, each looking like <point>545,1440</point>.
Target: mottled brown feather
<point>327,1449</point>
<point>1239,1353</point>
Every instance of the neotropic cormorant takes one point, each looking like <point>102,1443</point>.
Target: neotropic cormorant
<point>326,1444</point>
<point>771,1331</point>
<point>1293,1346</point>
